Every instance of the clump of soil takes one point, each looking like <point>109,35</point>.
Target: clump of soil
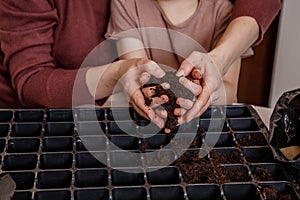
<point>160,159</point>
<point>144,146</point>
<point>176,90</point>
<point>230,174</point>
<point>262,174</point>
<point>195,169</point>
<point>252,140</point>
<point>201,170</point>
<point>271,193</point>
<point>226,158</point>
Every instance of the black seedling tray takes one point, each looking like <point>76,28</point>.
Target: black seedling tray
<point>115,154</point>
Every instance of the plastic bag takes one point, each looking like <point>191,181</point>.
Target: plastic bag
<point>284,137</point>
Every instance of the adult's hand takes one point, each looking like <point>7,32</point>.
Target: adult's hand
<point>201,75</point>
<point>133,78</point>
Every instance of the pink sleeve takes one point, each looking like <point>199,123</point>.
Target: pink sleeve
<point>264,12</point>
<point>223,19</point>
<point>123,20</point>
<point>26,32</point>
<point>224,10</point>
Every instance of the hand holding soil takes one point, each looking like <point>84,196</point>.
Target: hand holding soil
<point>155,88</point>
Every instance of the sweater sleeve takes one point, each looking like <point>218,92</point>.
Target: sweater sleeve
<point>263,11</point>
<point>27,35</point>
<point>123,20</point>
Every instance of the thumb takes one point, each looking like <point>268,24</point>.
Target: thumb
<point>185,68</point>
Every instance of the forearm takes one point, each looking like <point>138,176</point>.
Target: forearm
<point>230,81</point>
<point>101,81</point>
<point>262,11</point>
<point>240,34</point>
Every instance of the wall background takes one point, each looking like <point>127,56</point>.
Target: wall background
<point>286,69</point>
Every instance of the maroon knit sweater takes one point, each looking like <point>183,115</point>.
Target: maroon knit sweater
<point>43,43</point>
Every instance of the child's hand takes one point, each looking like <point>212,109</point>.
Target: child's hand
<point>206,84</point>
<point>132,78</point>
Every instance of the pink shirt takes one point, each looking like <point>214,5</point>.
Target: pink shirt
<point>203,29</point>
<point>43,43</point>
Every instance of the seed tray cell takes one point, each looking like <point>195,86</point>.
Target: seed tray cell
<point>277,190</point>
<point>90,114</point>
<point>91,178</point>
<point>59,115</point>
<point>2,145</point>
<point>91,194</point>
<point>91,128</point>
<point>268,172</point>
<point>94,143</point>
<point>59,129</point>
<point>246,191</point>
<point>4,128</point>
<point>237,112</point>
<point>16,162</point>
<point>56,161</point>
<point>26,130</point>
<point>246,124</point>
<point>127,177</point>
<point>115,154</point>
<point>22,196</point>
<point>204,191</point>
<point>34,115</point>
<point>90,160</point>
<point>258,155</point>
<point>124,142</point>
<point>53,194</point>
<point>23,145</point>
<point>54,179</point>
<point>23,180</point>
<point>251,139</point>
<point>6,115</point>
<point>56,144</point>
<point>129,193</point>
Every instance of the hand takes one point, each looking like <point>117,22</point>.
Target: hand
<point>201,75</point>
<point>132,77</point>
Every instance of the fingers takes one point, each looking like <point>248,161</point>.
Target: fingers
<point>196,74</point>
<point>184,69</point>
<point>200,105</point>
<point>179,111</point>
<point>152,68</point>
<point>145,76</point>
<point>138,102</point>
<point>148,91</point>
<point>185,103</point>
<point>193,87</point>
<point>161,113</point>
<point>157,101</point>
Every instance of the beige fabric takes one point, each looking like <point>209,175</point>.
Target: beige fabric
<point>203,29</point>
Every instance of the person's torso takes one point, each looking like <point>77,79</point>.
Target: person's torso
<point>163,39</point>
<point>81,26</point>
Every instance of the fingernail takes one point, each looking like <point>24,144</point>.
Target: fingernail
<point>180,73</point>
<point>166,85</point>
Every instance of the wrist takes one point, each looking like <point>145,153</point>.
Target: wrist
<point>219,61</point>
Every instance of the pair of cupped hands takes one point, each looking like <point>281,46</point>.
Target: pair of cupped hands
<point>198,73</point>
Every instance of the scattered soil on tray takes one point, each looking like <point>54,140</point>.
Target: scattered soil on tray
<point>271,193</point>
<point>201,170</point>
<point>160,159</point>
<point>195,169</point>
<point>176,90</point>
<point>262,174</point>
<point>252,140</point>
<point>232,174</point>
<point>226,158</point>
